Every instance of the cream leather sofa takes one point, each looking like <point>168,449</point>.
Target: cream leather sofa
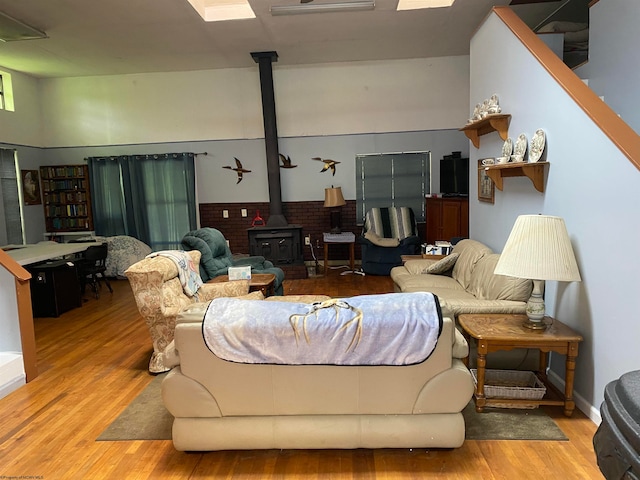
<point>221,405</point>
<point>471,287</point>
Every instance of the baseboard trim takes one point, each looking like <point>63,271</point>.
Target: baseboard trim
<point>581,403</point>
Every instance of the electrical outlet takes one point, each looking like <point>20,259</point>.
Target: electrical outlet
<point>307,240</point>
<point>225,213</point>
<point>243,212</point>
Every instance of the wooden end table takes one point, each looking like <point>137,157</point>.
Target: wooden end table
<point>265,282</point>
<point>406,258</point>
<point>505,332</point>
<point>352,256</point>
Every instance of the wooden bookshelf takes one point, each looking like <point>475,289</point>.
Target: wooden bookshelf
<point>66,198</point>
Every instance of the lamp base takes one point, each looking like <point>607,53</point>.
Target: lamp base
<point>335,221</point>
<point>535,308</point>
<point>534,324</point>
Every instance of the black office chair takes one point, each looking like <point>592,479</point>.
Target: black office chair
<point>91,264</point>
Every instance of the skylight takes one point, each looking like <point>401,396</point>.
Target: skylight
<point>221,10</point>
<point>417,4</point>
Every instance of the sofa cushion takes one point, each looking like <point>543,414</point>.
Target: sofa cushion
<point>485,285</point>
<point>442,266</point>
<point>426,282</point>
<point>470,252</point>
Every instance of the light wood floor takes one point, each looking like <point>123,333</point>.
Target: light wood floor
<point>92,364</point>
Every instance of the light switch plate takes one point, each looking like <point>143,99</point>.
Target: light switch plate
<point>225,213</point>
<point>243,212</point>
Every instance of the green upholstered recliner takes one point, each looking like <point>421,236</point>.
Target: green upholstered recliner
<point>217,258</point>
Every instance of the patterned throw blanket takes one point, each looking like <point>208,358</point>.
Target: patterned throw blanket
<point>389,329</point>
<point>187,272</point>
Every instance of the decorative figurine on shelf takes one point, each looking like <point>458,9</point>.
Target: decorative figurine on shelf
<point>257,220</point>
<point>476,114</point>
<point>489,106</point>
<point>493,105</point>
<point>239,170</point>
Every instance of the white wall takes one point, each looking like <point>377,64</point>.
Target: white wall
<point>330,110</point>
<point>614,57</point>
<point>313,100</point>
<point>589,183</point>
<point>23,126</point>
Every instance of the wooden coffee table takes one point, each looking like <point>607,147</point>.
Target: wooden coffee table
<point>505,332</point>
<point>265,282</point>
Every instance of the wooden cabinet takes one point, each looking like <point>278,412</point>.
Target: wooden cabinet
<point>447,217</point>
<point>66,198</point>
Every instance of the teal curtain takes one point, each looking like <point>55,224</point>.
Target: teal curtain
<point>149,197</point>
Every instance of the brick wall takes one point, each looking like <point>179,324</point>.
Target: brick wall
<point>312,216</point>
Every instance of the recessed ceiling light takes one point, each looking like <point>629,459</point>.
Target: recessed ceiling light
<point>417,4</point>
<point>12,30</point>
<point>221,10</point>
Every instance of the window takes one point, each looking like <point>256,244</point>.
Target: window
<point>392,180</point>
<point>149,197</point>
<point>11,208</point>
<point>6,92</point>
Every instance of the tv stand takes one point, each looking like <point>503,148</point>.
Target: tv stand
<point>455,195</point>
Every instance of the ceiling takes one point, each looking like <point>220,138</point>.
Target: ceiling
<point>109,37</point>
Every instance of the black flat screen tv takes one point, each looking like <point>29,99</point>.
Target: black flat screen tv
<point>454,177</point>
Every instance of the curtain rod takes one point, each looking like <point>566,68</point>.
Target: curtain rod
<point>141,155</point>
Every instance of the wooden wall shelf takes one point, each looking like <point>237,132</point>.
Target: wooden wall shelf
<point>535,172</point>
<point>493,123</point>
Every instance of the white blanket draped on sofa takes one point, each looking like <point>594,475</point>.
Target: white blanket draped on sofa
<point>387,329</point>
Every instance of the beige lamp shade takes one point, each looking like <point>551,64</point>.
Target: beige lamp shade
<point>333,197</point>
<point>539,248</point>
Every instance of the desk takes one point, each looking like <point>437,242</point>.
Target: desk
<point>337,239</point>
<point>40,252</point>
<point>505,332</point>
<point>265,282</point>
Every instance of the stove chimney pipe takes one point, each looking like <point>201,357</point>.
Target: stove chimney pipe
<point>264,60</point>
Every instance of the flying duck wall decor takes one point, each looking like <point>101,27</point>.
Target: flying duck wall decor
<point>328,164</point>
<point>286,161</point>
<point>239,170</point>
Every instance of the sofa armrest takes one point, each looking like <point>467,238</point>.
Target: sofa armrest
<point>460,306</point>
<point>254,261</point>
<point>235,288</point>
<point>460,345</point>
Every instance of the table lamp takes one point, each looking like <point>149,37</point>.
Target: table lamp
<point>333,199</point>
<point>538,248</point>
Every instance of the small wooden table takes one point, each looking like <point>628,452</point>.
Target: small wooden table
<point>505,332</point>
<point>352,256</point>
<point>265,282</point>
<point>405,258</point>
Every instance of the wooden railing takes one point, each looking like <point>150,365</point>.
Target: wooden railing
<point>621,134</point>
<point>25,313</point>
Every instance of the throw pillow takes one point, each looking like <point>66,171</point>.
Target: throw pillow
<point>442,266</point>
<point>380,241</point>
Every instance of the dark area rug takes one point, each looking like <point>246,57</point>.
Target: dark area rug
<point>147,419</point>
